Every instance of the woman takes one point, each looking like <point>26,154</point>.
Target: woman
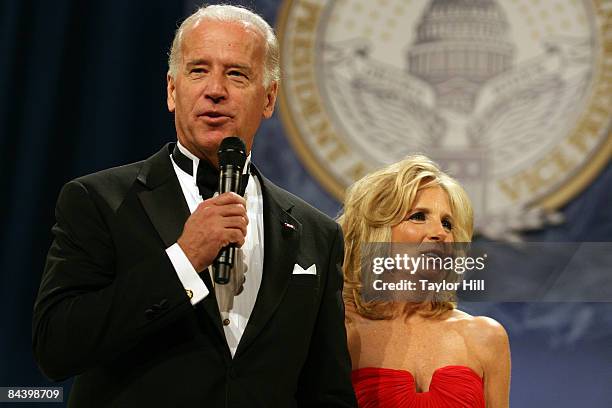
<point>426,353</point>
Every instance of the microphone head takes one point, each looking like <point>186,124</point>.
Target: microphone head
<point>232,151</point>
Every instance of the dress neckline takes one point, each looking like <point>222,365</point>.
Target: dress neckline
<point>406,372</point>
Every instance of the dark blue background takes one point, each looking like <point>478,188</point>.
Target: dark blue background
<point>83,88</point>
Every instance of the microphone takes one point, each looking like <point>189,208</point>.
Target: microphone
<point>232,156</point>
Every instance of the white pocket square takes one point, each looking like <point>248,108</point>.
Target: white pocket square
<point>298,270</point>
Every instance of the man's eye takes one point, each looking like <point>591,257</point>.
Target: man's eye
<point>417,216</point>
<point>237,74</point>
<point>197,70</point>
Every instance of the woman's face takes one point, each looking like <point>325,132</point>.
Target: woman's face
<point>429,220</point>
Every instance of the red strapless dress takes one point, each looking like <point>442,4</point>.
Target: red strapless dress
<point>451,387</point>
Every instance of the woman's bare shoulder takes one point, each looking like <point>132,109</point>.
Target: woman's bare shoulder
<point>486,336</point>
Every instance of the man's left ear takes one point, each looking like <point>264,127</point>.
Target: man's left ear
<point>270,100</point>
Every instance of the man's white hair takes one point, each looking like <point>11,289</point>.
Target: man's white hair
<point>228,13</point>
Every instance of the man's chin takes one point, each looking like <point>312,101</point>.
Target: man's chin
<point>211,139</point>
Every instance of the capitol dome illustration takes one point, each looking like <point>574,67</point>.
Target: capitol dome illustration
<point>459,45</point>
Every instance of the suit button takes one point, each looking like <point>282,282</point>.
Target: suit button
<point>226,322</point>
<point>150,314</point>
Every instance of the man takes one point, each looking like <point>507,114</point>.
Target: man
<point>126,301</point>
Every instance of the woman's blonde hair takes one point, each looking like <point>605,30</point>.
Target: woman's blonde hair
<point>381,200</point>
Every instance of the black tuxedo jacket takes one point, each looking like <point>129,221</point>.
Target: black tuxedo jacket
<point>112,312</point>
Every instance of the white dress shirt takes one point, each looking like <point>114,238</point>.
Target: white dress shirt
<point>235,310</point>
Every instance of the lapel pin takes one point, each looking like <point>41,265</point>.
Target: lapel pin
<point>289,226</point>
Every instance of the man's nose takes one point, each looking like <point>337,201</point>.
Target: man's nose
<point>216,89</point>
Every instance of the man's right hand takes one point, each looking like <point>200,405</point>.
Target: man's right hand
<point>216,223</point>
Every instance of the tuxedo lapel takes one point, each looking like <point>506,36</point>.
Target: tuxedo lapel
<point>281,239</point>
<point>163,199</point>
<point>165,204</point>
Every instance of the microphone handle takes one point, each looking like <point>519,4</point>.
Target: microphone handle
<point>229,180</point>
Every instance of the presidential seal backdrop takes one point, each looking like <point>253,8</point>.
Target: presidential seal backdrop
<point>512,97</point>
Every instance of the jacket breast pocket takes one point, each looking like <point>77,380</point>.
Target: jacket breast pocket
<point>304,280</point>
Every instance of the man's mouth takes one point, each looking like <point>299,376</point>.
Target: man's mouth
<point>214,118</point>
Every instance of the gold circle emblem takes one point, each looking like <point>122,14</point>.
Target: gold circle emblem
<point>512,98</point>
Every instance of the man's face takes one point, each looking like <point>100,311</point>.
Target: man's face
<point>218,90</point>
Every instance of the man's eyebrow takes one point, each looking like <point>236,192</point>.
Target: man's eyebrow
<point>201,61</point>
<point>198,61</point>
<point>243,67</point>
